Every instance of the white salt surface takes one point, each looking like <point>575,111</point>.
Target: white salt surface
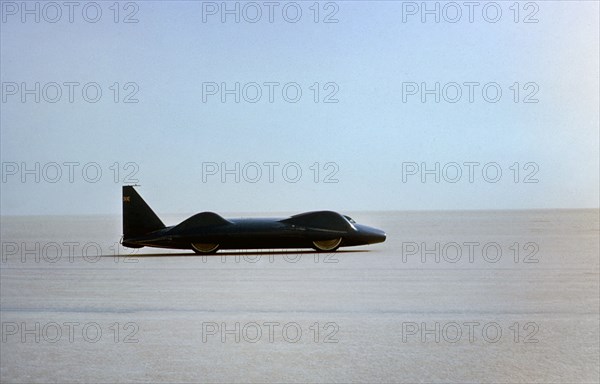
<point>365,314</point>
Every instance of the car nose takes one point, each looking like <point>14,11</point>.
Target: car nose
<point>371,235</point>
<point>378,235</point>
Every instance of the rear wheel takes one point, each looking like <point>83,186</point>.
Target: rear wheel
<point>327,245</point>
<point>205,248</point>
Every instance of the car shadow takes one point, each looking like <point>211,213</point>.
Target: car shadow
<point>239,253</point>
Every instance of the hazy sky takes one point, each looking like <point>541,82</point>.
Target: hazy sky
<point>366,119</point>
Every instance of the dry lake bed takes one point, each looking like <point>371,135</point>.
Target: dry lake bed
<point>466,296</point>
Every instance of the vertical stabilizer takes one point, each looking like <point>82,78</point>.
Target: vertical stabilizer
<point>138,218</point>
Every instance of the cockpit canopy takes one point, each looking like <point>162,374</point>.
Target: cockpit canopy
<point>349,219</point>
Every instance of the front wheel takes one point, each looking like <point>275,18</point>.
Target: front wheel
<point>327,245</point>
<point>205,248</point>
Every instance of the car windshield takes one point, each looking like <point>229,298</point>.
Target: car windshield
<point>350,219</point>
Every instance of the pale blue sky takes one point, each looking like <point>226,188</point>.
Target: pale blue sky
<point>369,133</point>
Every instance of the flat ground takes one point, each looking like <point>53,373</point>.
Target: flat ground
<point>485,296</point>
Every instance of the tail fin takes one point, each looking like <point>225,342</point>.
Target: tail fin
<point>138,218</point>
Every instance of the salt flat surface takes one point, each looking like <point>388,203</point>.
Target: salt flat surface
<point>470,308</point>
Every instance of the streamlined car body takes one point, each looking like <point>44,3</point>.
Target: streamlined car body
<point>207,232</point>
